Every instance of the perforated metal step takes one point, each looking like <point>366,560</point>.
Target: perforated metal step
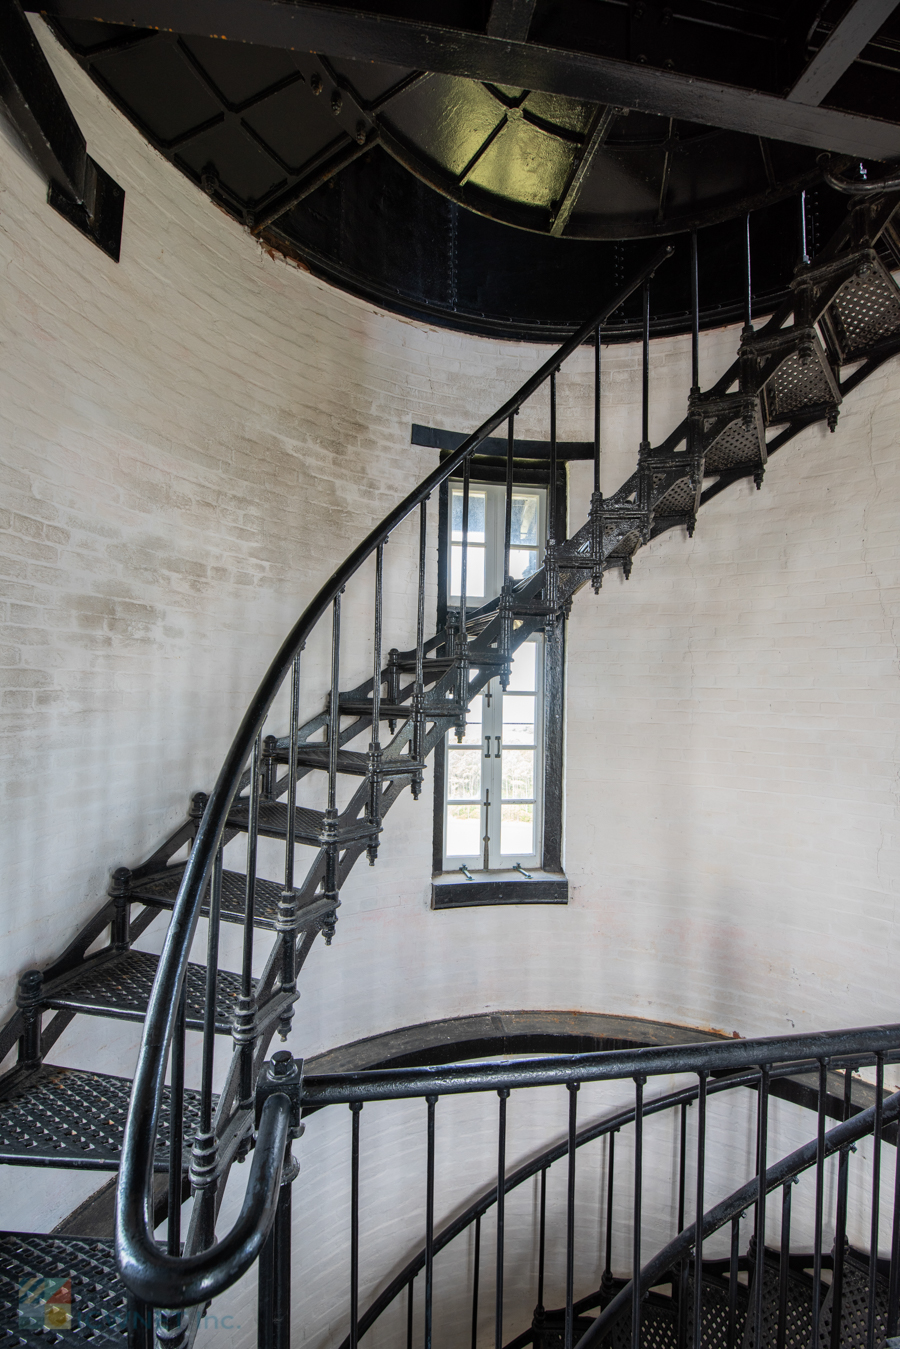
<point>855,1306</point>
<point>349,761</point>
<point>163,889</point>
<point>66,1117</point>
<point>119,986</point>
<point>798,1312</point>
<point>309,824</point>
<point>99,1302</point>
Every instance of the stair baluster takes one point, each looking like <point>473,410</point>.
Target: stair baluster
<point>173,1328</point>
<point>245,1029</point>
<point>418,699</point>
<point>505,612</point>
<point>570,1213</point>
<point>331,885</point>
<point>596,512</point>
<point>733,1285</point>
<point>820,1195</point>
<point>759,1229</point>
<point>204,1155</point>
<point>462,637</point>
<point>876,1197</point>
<point>784,1264</point>
<point>679,1222</point>
<point>503,1094</point>
<point>637,1210</point>
<point>551,565</point>
<point>700,1207</point>
<point>286,921</point>
<point>374,766</point>
<point>840,1222</point>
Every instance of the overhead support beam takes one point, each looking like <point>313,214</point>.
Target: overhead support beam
<point>300,26</point>
<point>291,196</point>
<point>840,49</point>
<point>33,101</point>
<point>511,19</point>
<point>599,129</point>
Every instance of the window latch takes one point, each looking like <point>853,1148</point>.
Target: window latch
<point>517,866</point>
<point>487,746</point>
<point>465,871</point>
<point>498,754</point>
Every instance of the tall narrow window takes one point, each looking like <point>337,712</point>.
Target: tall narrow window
<point>494,779</point>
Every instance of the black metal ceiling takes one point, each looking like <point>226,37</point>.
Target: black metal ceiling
<point>499,206</point>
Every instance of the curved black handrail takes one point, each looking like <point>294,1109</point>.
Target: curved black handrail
<point>842,1136</point>
<point>141,1263</point>
<point>717,1056</point>
<point>186,1281</point>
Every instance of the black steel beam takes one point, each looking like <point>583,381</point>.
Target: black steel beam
<point>511,19</point>
<point>599,129</point>
<point>300,26</point>
<point>840,49</point>
<point>77,187</point>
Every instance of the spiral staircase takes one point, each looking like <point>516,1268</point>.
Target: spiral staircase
<point>168,1140</point>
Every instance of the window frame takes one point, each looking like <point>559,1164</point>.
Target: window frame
<point>551,886</point>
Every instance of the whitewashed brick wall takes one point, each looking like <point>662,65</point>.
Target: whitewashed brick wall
<point>191,441</point>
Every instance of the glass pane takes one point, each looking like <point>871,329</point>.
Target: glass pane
<point>518,720</point>
<point>473,732</point>
<point>464,775</point>
<point>517,830</point>
<point>521,677</point>
<point>518,773</point>
<point>464,830</point>
<point>474,571</point>
<point>476,515</point>
<point>522,562</point>
<point>524,520</point>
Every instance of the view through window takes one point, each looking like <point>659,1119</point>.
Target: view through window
<point>492,791</point>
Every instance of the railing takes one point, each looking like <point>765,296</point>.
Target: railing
<point>759,1065</point>
<point>259,1104</point>
<point>174,1279</point>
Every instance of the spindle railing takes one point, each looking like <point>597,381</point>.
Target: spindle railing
<point>259,1103</point>
<point>757,1065</point>
<point>188,1275</point>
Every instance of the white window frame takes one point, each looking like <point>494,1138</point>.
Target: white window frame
<point>490,801</point>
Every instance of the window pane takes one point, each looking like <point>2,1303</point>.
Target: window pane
<point>476,515</point>
<point>517,830</point>
<point>474,571</point>
<point>525,519</point>
<point>518,720</point>
<point>521,677</point>
<point>464,830</point>
<point>464,775</point>
<point>518,773</point>
<point>472,734</point>
<point>522,562</point>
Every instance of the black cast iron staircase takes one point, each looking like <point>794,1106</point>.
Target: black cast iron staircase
<point>845,310</point>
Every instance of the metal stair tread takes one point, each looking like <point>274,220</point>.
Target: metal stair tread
<point>352,762</point>
<point>309,824</point>
<point>855,1305</point>
<point>56,1116</point>
<point>118,986</point>
<point>99,1298</point>
<point>162,889</point>
<point>362,707</point>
